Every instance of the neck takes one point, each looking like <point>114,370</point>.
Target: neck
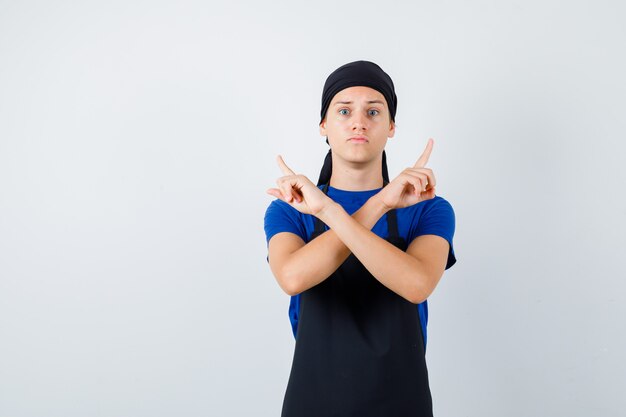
<point>352,178</point>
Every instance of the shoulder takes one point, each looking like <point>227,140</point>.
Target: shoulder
<point>279,205</point>
<point>432,207</point>
<point>281,217</point>
<point>434,216</point>
<point>436,213</point>
<point>279,209</point>
<point>437,204</point>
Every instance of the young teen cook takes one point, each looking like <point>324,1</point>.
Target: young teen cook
<point>359,255</point>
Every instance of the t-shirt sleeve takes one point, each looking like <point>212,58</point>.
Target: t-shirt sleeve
<point>281,217</point>
<point>437,218</point>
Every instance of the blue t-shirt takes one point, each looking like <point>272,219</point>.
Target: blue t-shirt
<point>430,217</point>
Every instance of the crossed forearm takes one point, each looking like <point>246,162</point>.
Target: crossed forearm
<point>318,259</point>
<point>390,265</point>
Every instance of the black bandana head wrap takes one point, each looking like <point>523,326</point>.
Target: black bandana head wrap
<point>357,73</point>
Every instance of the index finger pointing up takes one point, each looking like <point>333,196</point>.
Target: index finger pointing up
<point>423,159</point>
<point>283,166</point>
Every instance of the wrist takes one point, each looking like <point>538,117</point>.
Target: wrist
<point>378,205</point>
<point>328,211</point>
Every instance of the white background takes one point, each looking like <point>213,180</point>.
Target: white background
<point>137,139</point>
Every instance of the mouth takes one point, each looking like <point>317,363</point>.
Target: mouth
<point>358,139</point>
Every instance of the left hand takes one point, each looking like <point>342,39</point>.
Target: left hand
<point>413,185</point>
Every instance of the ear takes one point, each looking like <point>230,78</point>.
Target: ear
<point>323,128</point>
<point>392,129</point>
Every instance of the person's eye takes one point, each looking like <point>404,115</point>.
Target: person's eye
<point>374,110</point>
<point>343,114</point>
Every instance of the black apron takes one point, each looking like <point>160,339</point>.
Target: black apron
<point>359,347</point>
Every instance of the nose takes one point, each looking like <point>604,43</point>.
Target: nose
<point>359,121</point>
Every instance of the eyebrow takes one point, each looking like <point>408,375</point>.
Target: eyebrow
<point>368,102</point>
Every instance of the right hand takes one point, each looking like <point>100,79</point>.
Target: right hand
<point>299,192</point>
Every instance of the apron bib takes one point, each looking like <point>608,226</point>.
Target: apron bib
<point>359,347</point>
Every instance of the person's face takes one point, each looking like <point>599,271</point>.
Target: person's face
<point>357,111</point>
